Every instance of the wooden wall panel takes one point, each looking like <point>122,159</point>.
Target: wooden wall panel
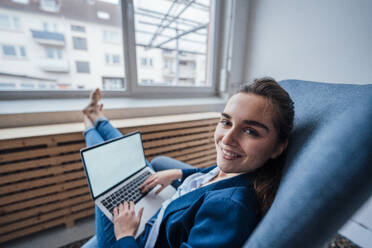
<point>42,180</point>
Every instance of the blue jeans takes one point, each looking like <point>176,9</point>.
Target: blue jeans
<point>101,132</point>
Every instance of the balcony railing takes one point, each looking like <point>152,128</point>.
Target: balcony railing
<point>48,38</point>
<point>54,65</point>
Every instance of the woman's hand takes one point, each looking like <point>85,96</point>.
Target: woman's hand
<point>125,220</point>
<point>164,178</point>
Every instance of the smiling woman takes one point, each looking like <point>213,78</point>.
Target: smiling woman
<point>250,141</point>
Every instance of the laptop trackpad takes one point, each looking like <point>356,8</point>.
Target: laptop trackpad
<point>152,203</point>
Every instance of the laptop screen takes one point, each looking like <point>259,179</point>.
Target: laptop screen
<point>110,163</point>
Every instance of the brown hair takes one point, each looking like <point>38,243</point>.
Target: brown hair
<point>268,176</point>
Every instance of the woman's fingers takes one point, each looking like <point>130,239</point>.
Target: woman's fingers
<point>150,179</point>
<point>115,212</point>
<point>159,190</point>
<point>150,186</point>
<point>140,212</point>
<point>131,206</point>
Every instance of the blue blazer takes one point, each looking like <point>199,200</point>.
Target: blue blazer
<point>221,214</point>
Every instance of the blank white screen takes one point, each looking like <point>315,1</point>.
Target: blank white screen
<point>110,163</point>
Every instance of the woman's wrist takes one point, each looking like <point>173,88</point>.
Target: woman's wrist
<point>177,174</point>
<point>123,235</point>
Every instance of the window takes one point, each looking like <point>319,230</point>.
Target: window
<point>146,62</point>
<point>14,51</point>
<point>50,27</point>
<point>172,31</point>
<point>111,36</point>
<point>110,83</point>
<point>21,1</point>
<point>103,15</point>
<point>163,43</point>
<point>78,28</point>
<point>49,5</point>
<point>112,59</point>
<point>79,43</point>
<point>82,67</point>
<point>8,22</point>
<point>53,53</point>
<point>7,85</point>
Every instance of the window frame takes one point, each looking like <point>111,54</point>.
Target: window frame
<point>138,90</point>
<point>79,43</point>
<point>132,86</point>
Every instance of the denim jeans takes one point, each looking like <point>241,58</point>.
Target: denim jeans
<point>102,131</point>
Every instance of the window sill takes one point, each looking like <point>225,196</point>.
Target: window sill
<point>21,113</point>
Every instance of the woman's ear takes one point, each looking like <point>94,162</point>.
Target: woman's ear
<point>279,149</point>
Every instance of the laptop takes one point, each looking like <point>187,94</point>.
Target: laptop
<point>114,170</point>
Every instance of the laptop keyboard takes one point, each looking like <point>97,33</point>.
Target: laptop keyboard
<point>129,192</point>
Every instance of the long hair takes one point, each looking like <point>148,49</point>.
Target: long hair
<point>268,176</point>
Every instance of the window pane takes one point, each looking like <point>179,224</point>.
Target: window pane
<point>79,43</point>
<point>171,42</point>
<point>77,28</point>
<point>82,67</point>
<point>67,48</point>
<point>22,51</point>
<point>16,23</point>
<point>9,50</point>
<point>4,21</point>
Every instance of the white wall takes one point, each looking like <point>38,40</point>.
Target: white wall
<point>319,40</point>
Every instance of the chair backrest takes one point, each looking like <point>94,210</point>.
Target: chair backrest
<point>328,173</point>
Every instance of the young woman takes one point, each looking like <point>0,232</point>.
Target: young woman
<point>214,207</point>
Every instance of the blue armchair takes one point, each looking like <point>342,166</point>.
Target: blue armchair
<point>328,174</point>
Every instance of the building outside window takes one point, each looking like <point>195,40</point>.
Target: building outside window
<point>82,67</point>
<point>50,27</point>
<point>49,5</point>
<point>53,53</point>
<point>112,59</point>
<point>14,51</point>
<point>7,85</point>
<point>8,22</point>
<point>78,28</point>
<point>111,36</point>
<point>170,41</point>
<point>79,43</point>
<point>112,83</point>
<point>21,1</point>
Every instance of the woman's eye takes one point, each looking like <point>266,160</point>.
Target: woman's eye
<point>225,122</point>
<point>251,132</point>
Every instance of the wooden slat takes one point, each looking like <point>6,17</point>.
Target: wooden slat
<point>41,192</point>
<point>174,140</point>
<point>179,132</point>
<point>40,140</point>
<point>43,200</point>
<point>40,172</point>
<point>172,147</point>
<point>40,182</point>
<point>40,152</point>
<point>44,226</point>
<point>200,160</point>
<point>195,155</point>
<point>25,165</point>
<point>184,151</point>
<point>169,126</point>
<point>44,217</point>
<point>44,209</point>
<point>206,164</point>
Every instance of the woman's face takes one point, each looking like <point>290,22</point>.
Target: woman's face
<point>245,137</point>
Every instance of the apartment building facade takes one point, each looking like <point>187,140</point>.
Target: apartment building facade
<point>77,44</point>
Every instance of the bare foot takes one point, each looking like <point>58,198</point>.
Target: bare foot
<point>94,110</point>
<point>95,96</point>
